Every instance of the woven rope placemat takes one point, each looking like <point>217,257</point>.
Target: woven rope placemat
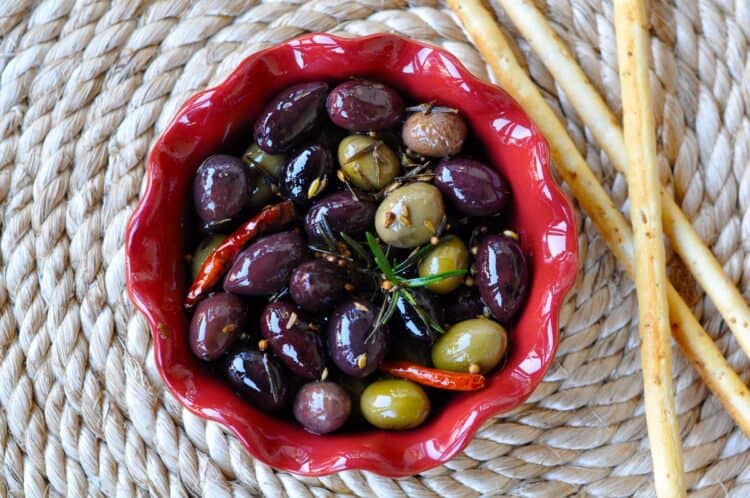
<point>85,86</point>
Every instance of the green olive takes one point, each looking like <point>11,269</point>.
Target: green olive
<point>410,215</point>
<point>270,163</point>
<point>262,192</point>
<point>449,255</point>
<point>367,163</point>
<point>205,248</point>
<point>395,404</point>
<point>479,341</point>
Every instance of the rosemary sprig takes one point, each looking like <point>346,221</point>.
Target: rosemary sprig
<point>357,248</point>
<point>380,258</point>
<point>396,286</point>
<point>413,258</point>
<point>390,305</point>
<point>387,310</point>
<point>423,315</point>
<point>422,281</point>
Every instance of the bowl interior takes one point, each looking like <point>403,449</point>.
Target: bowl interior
<point>212,120</point>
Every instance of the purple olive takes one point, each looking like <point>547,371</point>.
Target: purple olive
<point>407,320</point>
<point>502,275</point>
<point>355,345</point>
<point>216,324</point>
<point>322,407</point>
<point>221,188</point>
<point>343,212</point>
<point>406,348</point>
<point>290,117</point>
<point>471,187</point>
<point>464,304</point>
<point>295,343</point>
<point>316,285</point>
<point>258,378</point>
<point>265,266</point>
<point>362,105</point>
<point>306,174</point>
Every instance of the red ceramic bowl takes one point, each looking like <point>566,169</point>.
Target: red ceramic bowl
<point>209,121</point>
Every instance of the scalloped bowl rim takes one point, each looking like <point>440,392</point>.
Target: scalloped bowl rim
<point>276,442</point>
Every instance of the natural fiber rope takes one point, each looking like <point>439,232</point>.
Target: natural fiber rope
<point>84,89</point>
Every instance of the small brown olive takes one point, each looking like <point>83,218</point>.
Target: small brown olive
<point>435,133</point>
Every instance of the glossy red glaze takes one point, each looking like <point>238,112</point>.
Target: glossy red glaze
<point>158,277</point>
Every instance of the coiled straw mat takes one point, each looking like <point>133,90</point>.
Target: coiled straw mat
<point>85,87</point>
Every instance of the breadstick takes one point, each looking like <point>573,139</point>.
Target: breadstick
<point>697,346</point>
<point>606,130</point>
<point>650,260</point>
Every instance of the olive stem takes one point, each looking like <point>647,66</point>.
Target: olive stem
<point>429,107</point>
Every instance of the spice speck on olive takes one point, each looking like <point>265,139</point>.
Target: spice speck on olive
<point>298,347</point>
<point>306,174</point>
<point>215,325</point>
<point>355,343</point>
<point>400,218</point>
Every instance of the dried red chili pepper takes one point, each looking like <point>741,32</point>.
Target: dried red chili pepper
<point>216,263</point>
<point>441,379</point>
